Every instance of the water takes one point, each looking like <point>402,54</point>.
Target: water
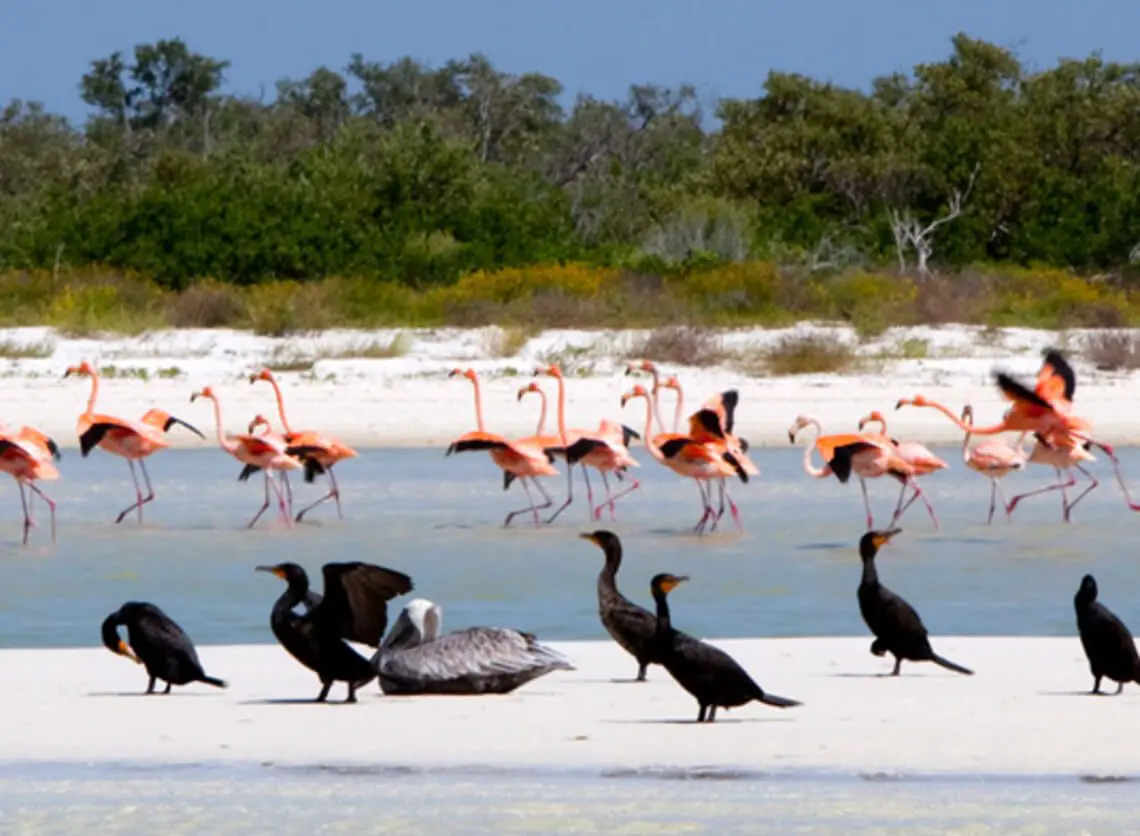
<point>793,571</point>
<point>202,798</point>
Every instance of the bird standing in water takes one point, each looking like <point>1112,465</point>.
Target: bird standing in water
<point>353,608</point>
<point>157,643</point>
<point>631,626</point>
<point>713,677</point>
<point>898,629</point>
<point>1108,644</point>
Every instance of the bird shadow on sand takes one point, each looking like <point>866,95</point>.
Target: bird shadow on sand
<point>295,701</point>
<point>156,694</point>
<point>678,721</point>
<point>1076,694</point>
<point>863,676</point>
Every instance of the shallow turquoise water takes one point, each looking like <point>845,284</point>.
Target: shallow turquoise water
<point>265,799</point>
<point>792,572</point>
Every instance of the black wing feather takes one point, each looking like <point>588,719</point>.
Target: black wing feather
<point>90,439</point>
<point>1018,390</point>
<point>840,463</point>
<point>356,597</point>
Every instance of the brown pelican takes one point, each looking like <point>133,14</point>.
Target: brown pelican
<point>416,659</point>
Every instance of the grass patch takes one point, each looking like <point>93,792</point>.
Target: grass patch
<point>803,354</point>
<point>12,350</point>
<point>508,341</point>
<point>398,346</point>
<point>288,359</point>
<point>912,348</point>
<point>124,373</point>
<point>1112,350</point>
<point>682,345</point>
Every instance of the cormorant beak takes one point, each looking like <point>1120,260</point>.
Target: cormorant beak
<point>884,537</point>
<point>669,584</point>
<point>273,570</point>
<point>590,536</point>
<point>123,650</point>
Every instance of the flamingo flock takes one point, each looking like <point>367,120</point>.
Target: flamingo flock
<point>702,446</point>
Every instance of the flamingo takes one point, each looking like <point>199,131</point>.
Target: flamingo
<point>712,425</point>
<point>256,452</point>
<point>993,459</point>
<point>133,440</point>
<point>605,449</point>
<point>863,454</point>
<point>682,455</point>
<point>26,456</point>
<point>522,460</point>
<point>260,422</point>
<point>1061,459</point>
<point>319,452</point>
<point>650,368</point>
<point>917,455</point>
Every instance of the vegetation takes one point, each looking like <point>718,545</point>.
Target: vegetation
<point>974,189</point>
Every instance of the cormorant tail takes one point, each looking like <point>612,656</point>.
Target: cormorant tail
<point>217,683</point>
<point>777,702</point>
<point>951,666</point>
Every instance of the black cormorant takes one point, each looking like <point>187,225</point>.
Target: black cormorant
<point>354,608</point>
<point>1108,644</point>
<point>631,626</point>
<point>157,643</point>
<point>898,629</point>
<point>706,672</point>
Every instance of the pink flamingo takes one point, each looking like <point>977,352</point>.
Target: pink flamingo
<point>319,452</point>
<point>260,422</point>
<point>132,440</point>
<point>860,453</point>
<point>916,455</point>
<point>26,456</point>
<point>650,368</point>
<point>520,460</point>
<point>683,456</point>
<point>604,449</point>
<point>1061,459</point>
<point>256,452</point>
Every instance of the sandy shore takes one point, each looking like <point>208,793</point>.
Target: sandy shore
<point>1023,713</point>
<point>409,400</point>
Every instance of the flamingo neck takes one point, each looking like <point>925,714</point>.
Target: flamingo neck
<point>541,428</point>
<point>561,408</point>
<point>94,393</point>
<point>968,428</point>
<point>809,468</point>
<point>678,410</point>
<point>655,404</point>
<point>966,441</point>
<point>882,422</point>
<point>223,442</point>
<point>648,437</point>
<point>478,405</point>
<point>280,405</point>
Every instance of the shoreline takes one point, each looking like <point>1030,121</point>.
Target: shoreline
<point>407,400</point>
<point>76,706</point>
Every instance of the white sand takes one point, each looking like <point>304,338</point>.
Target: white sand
<point>1021,714</point>
<point>408,400</point>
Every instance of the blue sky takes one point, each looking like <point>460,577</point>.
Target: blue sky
<point>725,47</point>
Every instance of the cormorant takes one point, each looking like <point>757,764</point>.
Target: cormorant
<point>353,608</point>
<point>157,643</point>
<point>898,629</point>
<point>1108,644</point>
<point>631,626</point>
<point>416,659</point>
<point>709,674</point>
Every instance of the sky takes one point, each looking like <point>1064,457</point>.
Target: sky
<point>724,47</point>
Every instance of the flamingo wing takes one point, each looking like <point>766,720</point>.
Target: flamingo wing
<point>1018,392</point>
<point>840,462</point>
<point>1056,380</point>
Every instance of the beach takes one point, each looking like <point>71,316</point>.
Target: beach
<point>1025,712</point>
<point>408,400</point>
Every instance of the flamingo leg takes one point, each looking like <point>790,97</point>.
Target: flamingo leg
<point>264,505</point>
<point>726,496</point>
<point>708,510</point>
<point>993,500</point>
<point>284,509</point>
<point>140,500</point>
<point>589,492</point>
<point>1001,497</point>
<point>1057,486</point>
<point>533,508</point>
<point>1092,484</point>
<point>867,503</point>
<point>597,512</point>
<point>27,515</point>
<point>633,486</point>
<point>50,504</point>
<point>334,494</point>
<point>288,491</point>
<point>1135,506</point>
<point>569,492</point>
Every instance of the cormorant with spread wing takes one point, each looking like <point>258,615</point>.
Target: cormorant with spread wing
<point>354,608</point>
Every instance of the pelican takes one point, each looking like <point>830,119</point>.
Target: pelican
<point>416,659</point>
